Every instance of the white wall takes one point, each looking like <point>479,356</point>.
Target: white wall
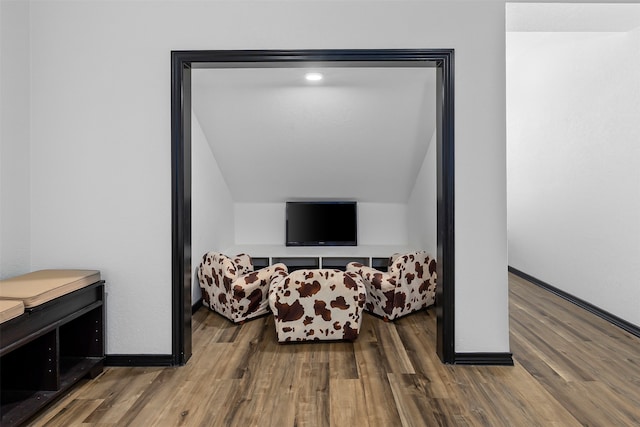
<point>14,139</point>
<point>422,209</point>
<point>574,164</point>
<point>212,218</point>
<point>100,138</point>
<point>382,224</point>
<point>264,224</point>
<point>259,223</point>
<point>481,295</point>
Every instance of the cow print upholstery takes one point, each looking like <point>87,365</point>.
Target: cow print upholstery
<point>320,304</point>
<point>409,285</point>
<point>231,288</point>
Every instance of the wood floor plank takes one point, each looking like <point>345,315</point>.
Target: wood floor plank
<point>313,403</point>
<point>412,399</point>
<point>417,342</point>
<point>122,392</point>
<point>74,413</point>
<point>598,354</point>
<point>533,398</point>
<point>368,329</point>
<point>571,368</point>
<point>59,405</point>
<point>392,350</point>
<point>348,407</point>
<point>153,399</point>
<point>342,360</point>
<point>379,403</point>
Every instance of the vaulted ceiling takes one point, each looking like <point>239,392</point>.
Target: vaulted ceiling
<point>361,133</point>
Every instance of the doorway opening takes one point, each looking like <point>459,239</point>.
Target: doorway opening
<point>183,62</point>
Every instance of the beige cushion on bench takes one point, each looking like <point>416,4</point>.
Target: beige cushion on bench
<point>10,309</point>
<point>41,286</point>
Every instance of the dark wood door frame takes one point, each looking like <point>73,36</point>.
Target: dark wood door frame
<point>182,62</point>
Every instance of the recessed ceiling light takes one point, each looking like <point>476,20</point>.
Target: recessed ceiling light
<point>313,77</point>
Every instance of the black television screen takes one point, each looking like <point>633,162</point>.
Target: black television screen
<point>321,224</point>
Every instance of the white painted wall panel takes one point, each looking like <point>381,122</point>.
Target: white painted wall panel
<point>15,196</point>
<point>100,135</point>
<point>259,223</point>
<point>574,164</point>
<point>422,209</point>
<point>382,224</point>
<point>212,216</point>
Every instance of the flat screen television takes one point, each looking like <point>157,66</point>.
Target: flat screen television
<point>321,224</point>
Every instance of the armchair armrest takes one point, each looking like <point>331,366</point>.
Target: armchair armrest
<point>253,280</point>
<point>280,273</point>
<point>251,290</point>
<point>376,279</point>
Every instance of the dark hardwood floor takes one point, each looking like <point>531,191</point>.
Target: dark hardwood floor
<point>571,368</point>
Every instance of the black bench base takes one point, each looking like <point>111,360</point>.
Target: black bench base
<point>48,349</point>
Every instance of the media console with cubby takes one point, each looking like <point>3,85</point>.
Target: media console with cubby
<point>312,257</point>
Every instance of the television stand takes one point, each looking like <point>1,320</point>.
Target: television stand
<point>312,257</point>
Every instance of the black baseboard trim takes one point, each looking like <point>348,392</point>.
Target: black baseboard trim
<point>196,306</point>
<point>138,360</point>
<point>611,318</point>
<point>500,359</point>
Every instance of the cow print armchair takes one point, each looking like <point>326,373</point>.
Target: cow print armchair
<point>320,304</point>
<point>409,285</point>
<point>231,288</point>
